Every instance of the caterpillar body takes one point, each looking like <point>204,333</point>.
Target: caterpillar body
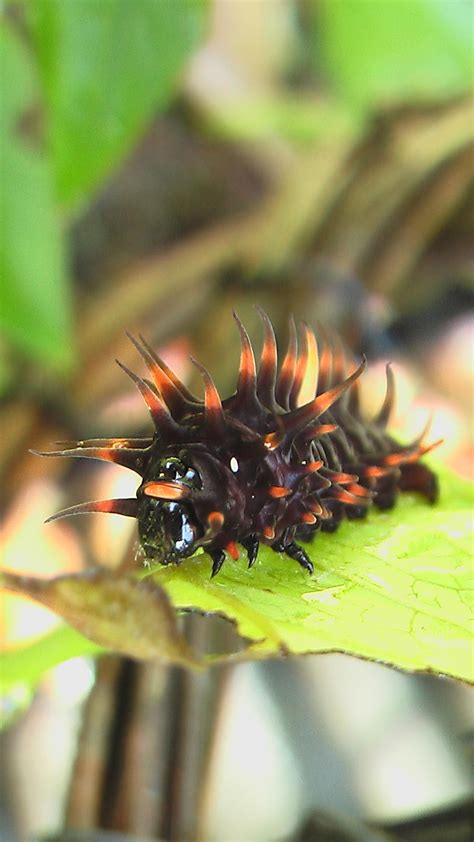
<point>257,467</point>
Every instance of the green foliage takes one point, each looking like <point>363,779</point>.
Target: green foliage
<point>294,118</point>
<point>107,68</point>
<point>73,105</point>
<point>395,588</point>
<point>380,51</point>
<point>22,669</point>
<point>35,310</point>
<point>27,664</point>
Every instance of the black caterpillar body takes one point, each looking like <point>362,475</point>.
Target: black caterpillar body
<point>256,467</point>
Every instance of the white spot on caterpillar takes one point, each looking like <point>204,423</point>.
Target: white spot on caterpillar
<point>234,465</point>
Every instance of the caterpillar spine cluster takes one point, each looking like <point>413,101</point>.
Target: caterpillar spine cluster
<point>256,467</point>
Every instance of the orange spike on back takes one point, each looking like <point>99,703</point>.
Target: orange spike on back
<point>288,368</point>
<point>266,377</point>
<point>325,365</point>
<point>309,412</point>
<point>383,415</point>
<point>172,396</point>
<point>161,417</point>
<point>212,401</point>
<point>308,518</point>
<point>309,382</point>
<point>166,490</point>
<point>279,491</point>
<point>315,507</point>
<point>247,381</point>
<point>301,365</point>
<point>169,372</point>
<point>395,459</point>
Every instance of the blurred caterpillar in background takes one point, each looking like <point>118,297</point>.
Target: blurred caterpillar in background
<point>256,467</point>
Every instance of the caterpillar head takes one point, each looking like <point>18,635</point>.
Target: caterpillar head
<point>168,526</point>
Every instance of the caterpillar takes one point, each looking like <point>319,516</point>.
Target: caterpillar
<point>256,467</point>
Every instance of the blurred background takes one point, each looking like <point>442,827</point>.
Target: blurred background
<point>165,162</point>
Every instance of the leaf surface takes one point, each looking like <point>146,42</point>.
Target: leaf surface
<point>395,588</point>
<point>382,51</point>
<point>27,664</point>
<point>107,68</point>
<point>35,306</point>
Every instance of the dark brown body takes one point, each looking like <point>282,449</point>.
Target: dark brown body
<point>257,467</point>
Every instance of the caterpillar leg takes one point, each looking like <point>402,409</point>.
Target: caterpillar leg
<point>295,551</point>
<point>251,544</point>
<point>386,491</point>
<point>218,558</point>
<point>356,512</point>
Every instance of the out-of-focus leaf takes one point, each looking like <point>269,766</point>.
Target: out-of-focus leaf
<point>377,51</point>
<point>117,612</point>
<point>34,294</point>
<point>14,700</point>
<point>395,588</point>
<point>299,120</point>
<point>107,67</point>
<point>26,664</point>
<point>6,372</point>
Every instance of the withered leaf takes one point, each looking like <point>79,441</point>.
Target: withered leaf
<point>119,612</point>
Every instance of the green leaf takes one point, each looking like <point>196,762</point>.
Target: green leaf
<point>298,119</point>
<point>27,664</point>
<point>376,51</point>
<point>22,669</point>
<point>107,67</point>
<point>35,310</point>
<point>394,588</point>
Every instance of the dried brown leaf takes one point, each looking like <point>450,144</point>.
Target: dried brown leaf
<point>118,612</point>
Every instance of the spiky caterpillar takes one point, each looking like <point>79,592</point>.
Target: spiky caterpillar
<point>256,467</point>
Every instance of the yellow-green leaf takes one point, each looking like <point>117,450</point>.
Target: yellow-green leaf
<point>107,68</point>
<point>395,588</point>
<point>35,306</point>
